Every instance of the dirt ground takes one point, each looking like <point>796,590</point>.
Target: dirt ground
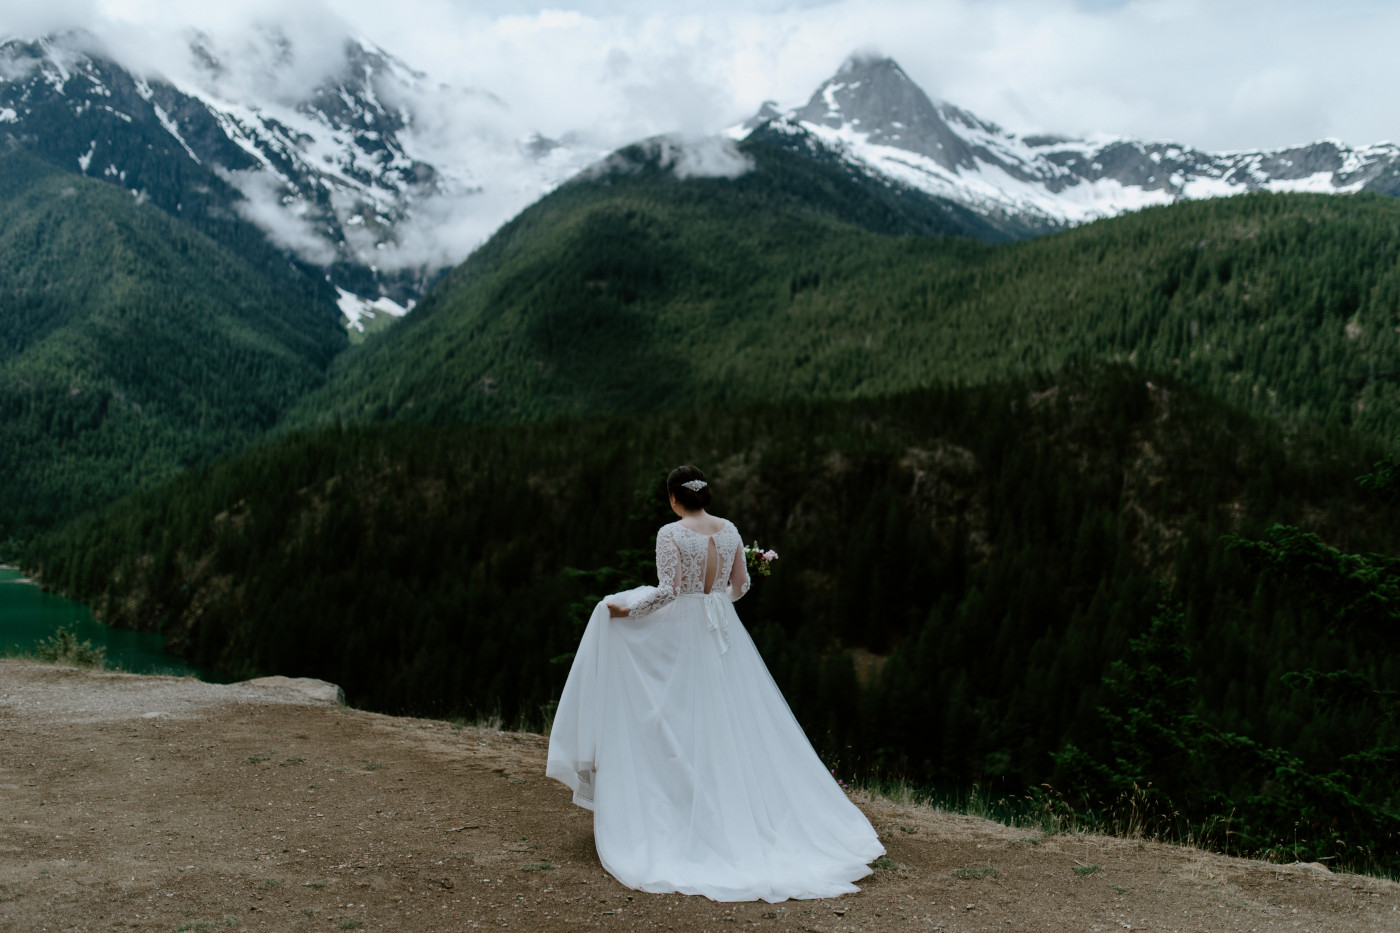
<point>155,803</point>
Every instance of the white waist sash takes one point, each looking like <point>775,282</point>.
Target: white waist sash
<point>714,615</point>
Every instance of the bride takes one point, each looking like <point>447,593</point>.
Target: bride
<point>672,731</point>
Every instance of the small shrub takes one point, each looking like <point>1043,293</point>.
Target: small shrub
<point>911,830</point>
<point>972,874</point>
<point>63,647</point>
<point>373,766</point>
<point>254,759</point>
<point>1086,869</point>
<point>270,883</point>
<point>884,863</point>
<point>349,924</point>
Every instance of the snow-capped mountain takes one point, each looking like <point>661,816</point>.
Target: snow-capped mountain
<point>374,172</point>
<point>875,117</point>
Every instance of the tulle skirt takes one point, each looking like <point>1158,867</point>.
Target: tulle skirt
<point>672,731</point>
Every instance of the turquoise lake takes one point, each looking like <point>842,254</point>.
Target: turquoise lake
<point>28,615</point>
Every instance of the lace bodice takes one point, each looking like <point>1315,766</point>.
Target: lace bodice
<point>681,556</point>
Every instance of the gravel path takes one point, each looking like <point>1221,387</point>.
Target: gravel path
<point>156,803</point>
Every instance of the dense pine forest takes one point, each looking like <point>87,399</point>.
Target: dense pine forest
<point>633,291</point>
<point>136,346</point>
<point>961,570</point>
<point>133,345</point>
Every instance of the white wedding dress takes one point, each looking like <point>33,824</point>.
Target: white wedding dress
<point>672,731</point>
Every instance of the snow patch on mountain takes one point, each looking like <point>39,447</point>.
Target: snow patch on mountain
<point>342,154</point>
<point>357,309</point>
<point>872,115</point>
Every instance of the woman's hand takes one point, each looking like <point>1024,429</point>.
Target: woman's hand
<point>617,611</point>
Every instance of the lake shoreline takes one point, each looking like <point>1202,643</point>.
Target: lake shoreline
<point>31,618</point>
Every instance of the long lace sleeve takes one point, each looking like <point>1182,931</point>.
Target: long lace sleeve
<point>668,568</point>
<point>738,574</point>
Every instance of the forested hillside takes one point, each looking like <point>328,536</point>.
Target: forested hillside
<point>959,566</point>
<point>132,346</point>
<point>634,291</point>
<point>1001,477</point>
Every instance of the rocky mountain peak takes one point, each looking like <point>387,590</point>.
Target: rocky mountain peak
<point>872,115</point>
<point>872,97</point>
<point>342,154</point>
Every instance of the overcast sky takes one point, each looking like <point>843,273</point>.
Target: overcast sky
<point>1216,75</point>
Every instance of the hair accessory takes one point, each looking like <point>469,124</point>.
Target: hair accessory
<point>695,485</point>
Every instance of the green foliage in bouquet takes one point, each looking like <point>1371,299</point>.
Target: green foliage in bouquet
<point>758,560</point>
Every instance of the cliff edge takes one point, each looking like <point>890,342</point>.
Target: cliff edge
<point>135,802</point>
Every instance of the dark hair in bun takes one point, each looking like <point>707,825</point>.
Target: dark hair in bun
<point>688,498</point>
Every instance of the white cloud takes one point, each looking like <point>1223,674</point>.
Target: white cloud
<point>1163,69</point>
<point>1245,74</point>
<point>444,231</point>
<point>702,156</point>
<point>285,225</point>
<point>18,18</point>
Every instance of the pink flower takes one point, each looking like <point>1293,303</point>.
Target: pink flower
<point>770,555</point>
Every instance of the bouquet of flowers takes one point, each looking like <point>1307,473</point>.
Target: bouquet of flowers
<point>759,561</point>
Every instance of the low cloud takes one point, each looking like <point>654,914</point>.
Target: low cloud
<point>1184,70</point>
<point>250,49</point>
<point>31,20</point>
<point>702,156</point>
<point>286,224</point>
<point>1216,76</point>
<point>443,231</point>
